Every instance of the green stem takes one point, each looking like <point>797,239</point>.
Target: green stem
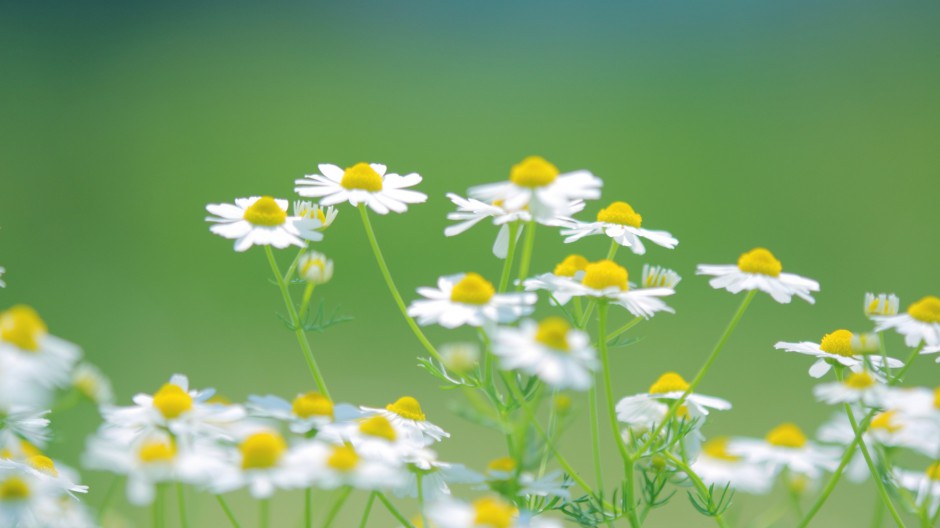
<point>612,252</point>
<point>228,512</point>
<point>698,483</point>
<point>181,500</point>
<point>334,511</point>
<point>367,511</point>
<point>298,326</point>
<point>596,436</point>
<point>393,510</point>
<point>308,508</point>
<point>618,332</point>
<point>878,514</point>
<point>701,373</point>
<point>526,260</point>
<point>108,496</point>
<point>264,513</point>
<point>510,256</point>
<point>795,502</point>
<point>305,302</point>
<point>424,521</point>
<point>907,365</point>
<point>383,267</point>
<point>158,521</point>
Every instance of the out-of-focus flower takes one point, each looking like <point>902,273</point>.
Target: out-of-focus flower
<point>715,465</point>
<point>468,299</point>
<point>649,408</point>
<point>309,210</point>
<point>786,446</point>
<point>920,324</point>
<point>883,304</point>
<point>92,384</point>
<point>406,413</point>
<point>558,354</point>
<point>315,268</point>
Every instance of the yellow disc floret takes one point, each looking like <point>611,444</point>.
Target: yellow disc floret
<point>571,265</point>
<point>171,400</point>
<point>502,465</point>
<point>669,382</point>
<point>13,489</point>
<point>43,464</point>
<point>620,213</point>
<point>312,404</point>
<point>786,435</point>
<point>761,261</point>
<point>933,472</point>
<point>408,408</point>
<point>553,333</point>
<point>718,448</point>
<point>493,513</point>
<point>936,398</point>
<point>361,176</point>
<point>884,421</point>
<point>379,427</point>
<point>156,451</point>
<point>21,327</point>
<point>926,310</point>
<point>838,343</point>
<point>262,450</point>
<point>265,212</point>
<point>605,274</point>
<point>343,458</point>
<point>533,171</point>
<point>472,289</point>
<point>859,380</point>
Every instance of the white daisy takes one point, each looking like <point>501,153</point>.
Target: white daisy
<point>305,413</point>
<point>363,183</point>
<point>571,268</point>
<point>263,463</point>
<point>715,465</point>
<point>920,324</point>
<point>860,387</point>
<point>262,221</point>
<point>374,437</point>
<point>333,465</point>
<point>918,408</point>
<point>30,493</point>
<point>558,354</point>
<point>436,476</point>
<point>23,423</point>
<point>406,413</point>
<point>621,223</point>
<point>92,384</point>
<point>486,512</point>
<point>925,486</point>
<point>309,210</point>
<point>882,304</point>
<point>468,299</point>
<point>315,268</point>
<point>787,447</point>
<point>758,269</point>
<point>839,347</point>
<point>536,185</point>
<point>59,480</point>
<point>647,409</point>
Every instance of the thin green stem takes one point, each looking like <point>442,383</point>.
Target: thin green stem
<point>334,510</point>
<point>228,512</point>
<point>510,256</point>
<point>308,508</point>
<point>367,511</point>
<point>618,332</point>
<point>181,501</point>
<point>899,377</point>
<point>305,301</point>
<point>108,496</point>
<point>612,252</point>
<point>383,267</point>
<point>158,508</point>
<point>878,515</point>
<point>595,436</point>
<point>526,260</point>
<point>298,326</point>
<point>264,513</point>
<point>698,483</point>
<point>424,521</point>
<point>393,510</point>
<point>794,495</point>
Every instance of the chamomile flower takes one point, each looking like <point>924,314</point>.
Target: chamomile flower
<point>918,407</point>
<point>262,464</point>
<point>460,357</point>
<point>436,476</point>
<point>305,413</point>
<point>309,210</point>
<point>262,221</point>
<point>405,413</point>
<point>839,347</point>
<point>571,268</point>
<point>31,496</point>
<point>363,183</point>
<point>92,384</point>
<point>715,465</point>
<point>924,485</point>
<point>861,387</point>
<point>622,224</point>
<point>486,512</point>
<point>315,268</point>
<point>883,304</point>
<point>374,437</point>
<point>558,354</point>
<point>333,465</point>
<point>920,324</point>
<point>649,408</point>
<point>19,423</point>
<point>786,447</point>
<point>468,299</point>
<point>758,269</point>
<point>536,185</point>
<point>58,480</point>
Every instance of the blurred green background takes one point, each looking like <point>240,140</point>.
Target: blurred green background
<point>809,127</point>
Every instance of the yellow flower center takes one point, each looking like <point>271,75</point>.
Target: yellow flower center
<point>620,213</point>
<point>605,274</point>
<point>571,265</point>
<point>562,403</point>
<point>503,465</point>
<point>14,488</point>
<point>718,448</point>
<point>21,326</point>
<point>343,458</point>
<point>669,382</point>
<point>262,450</point>
<point>786,435</point>
<point>926,310</point>
<point>859,380</point>
<point>26,450</point>
<point>378,426</point>
<point>265,212</point>
<point>156,452</point>
<point>533,171</point>
<point>312,404</point>
<point>553,333</point>
<point>933,472</point>
<point>472,289</point>
<point>838,343</point>
<point>361,176</point>
<point>761,261</point>
<point>43,464</point>
<point>885,422</point>
<point>171,400</point>
<point>493,513</point>
<point>936,398</point>
<point>408,408</point>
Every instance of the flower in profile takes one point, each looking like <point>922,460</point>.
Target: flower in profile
<point>468,299</point>
<point>622,224</point>
<point>839,347</point>
<point>859,387</point>
<point>262,221</point>
<point>919,324</point>
<point>758,269</point>
<point>315,268</point>
<point>883,304</point>
<point>262,464</point>
<point>485,512</point>
<point>925,486</point>
<point>538,186</point>
<point>715,465</point>
<point>405,413</point>
<point>786,447</point>
<point>571,268</point>
<point>307,412</point>
<point>561,356</point>
<point>308,210</point>
<point>363,183</point>
<point>647,409</point>
<point>93,384</point>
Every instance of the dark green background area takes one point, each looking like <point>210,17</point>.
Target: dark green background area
<point>809,127</point>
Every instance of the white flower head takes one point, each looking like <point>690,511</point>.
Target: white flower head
<point>786,446</point>
<point>468,299</point>
<point>309,210</point>
<point>920,324</point>
<point>882,304</point>
<point>263,463</point>
<point>859,387</point>
<point>758,269</point>
<point>405,413</point>
<point>436,476</point>
<point>374,437</point>
<point>561,356</point>
<point>504,475</point>
<point>715,465</point>
<point>315,268</point>
<point>647,409</point>
<point>335,465</point>
<point>570,269</point>
<point>363,183</point>
<point>307,412</point>
<point>622,224</point>
<point>924,485</point>
<point>460,357</point>
<point>262,221</point>
<point>93,384</point>
<point>19,423</point>
<point>485,512</point>
<point>536,185</point>
<point>31,492</point>
<point>839,347</point>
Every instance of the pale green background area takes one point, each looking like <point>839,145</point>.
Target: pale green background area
<point>811,128</point>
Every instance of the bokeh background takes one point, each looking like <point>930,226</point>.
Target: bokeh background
<point>809,127</point>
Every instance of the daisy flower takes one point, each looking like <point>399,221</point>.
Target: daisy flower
<point>315,268</point>
<point>883,304</point>
<point>460,357</point>
<point>622,224</point>
<point>924,485</point>
<point>758,269</point>
<point>374,437</point>
<point>860,387</point>
<point>405,413</point>
<point>262,464</point>
<point>558,354</point>
<point>918,408</point>
<point>333,466</point>
<point>309,210</point>
<point>43,469</point>
<point>468,299</point>
<point>23,423</point>
<point>787,447</point>
<point>715,465</point>
<point>92,384</point>
<point>486,512</point>
<point>30,494</point>
<point>436,476</point>
<point>363,183</point>
<point>536,185</point>
<point>649,408</point>
<point>262,221</point>
<point>920,324</point>
<point>840,347</point>
<point>571,268</point>
<point>305,413</point>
